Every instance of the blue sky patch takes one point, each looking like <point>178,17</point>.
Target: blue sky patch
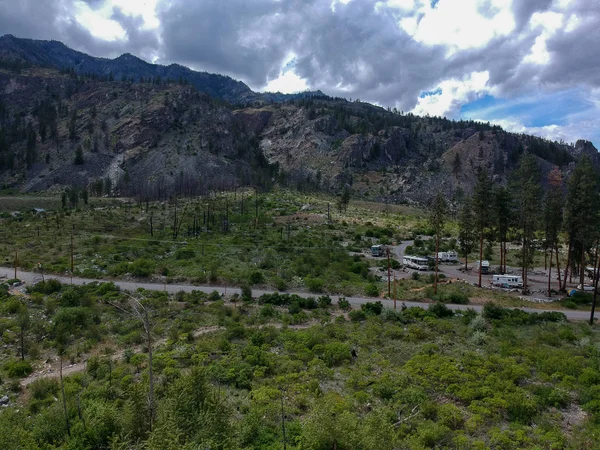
<point>532,111</point>
<point>437,91</point>
<point>568,108</point>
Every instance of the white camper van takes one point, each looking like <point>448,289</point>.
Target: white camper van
<point>507,281</point>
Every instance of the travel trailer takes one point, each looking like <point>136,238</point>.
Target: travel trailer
<point>450,256</point>
<point>507,281</point>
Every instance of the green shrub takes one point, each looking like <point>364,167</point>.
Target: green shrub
<point>256,277</point>
<point>214,296</point>
<point>46,287</point>
<point>372,290</point>
<point>343,304</point>
<point>246,292</point>
<point>372,308</point>
<point>357,315</point>
<point>43,388</point>
<point>314,284</point>
<point>18,369</point>
<point>324,301</point>
<point>440,310</point>
<point>184,253</point>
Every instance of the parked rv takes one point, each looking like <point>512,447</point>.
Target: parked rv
<point>485,266</point>
<point>507,281</point>
<point>416,262</point>
<point>377,250</point>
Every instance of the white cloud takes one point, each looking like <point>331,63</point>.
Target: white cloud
<point>287,83</point>
<point>143,8</point>
<point>550,22</point>
<point>99,21</point>
<point>461,26</point>
<point>452,93</point>
<point>98,24</point>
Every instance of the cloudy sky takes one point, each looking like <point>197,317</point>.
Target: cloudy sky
<point>529,65</point>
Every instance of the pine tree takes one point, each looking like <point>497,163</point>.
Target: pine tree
<point>78,156</point>
<point>467,233</point>
<point>553,215</point>
<point>437,217</point>
<point>481,209</point>
<point>503,217</point>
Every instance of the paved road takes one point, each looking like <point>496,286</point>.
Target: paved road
<point>30,277</point>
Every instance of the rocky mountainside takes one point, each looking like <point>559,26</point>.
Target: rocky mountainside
<point>156,138</point>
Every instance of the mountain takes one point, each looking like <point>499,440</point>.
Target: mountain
<point>56,55</point>
<point>163,136</point>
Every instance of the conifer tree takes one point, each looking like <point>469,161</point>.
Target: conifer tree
<point>553,215</point>
<point>437,217</point>
<point>581,212</point>
<point>481,209</point>
<point>467,233</point>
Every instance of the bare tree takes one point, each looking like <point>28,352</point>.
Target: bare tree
<point>141,312</point>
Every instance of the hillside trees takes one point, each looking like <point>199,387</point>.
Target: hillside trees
<point>581,214</point>
<point>529,193</point>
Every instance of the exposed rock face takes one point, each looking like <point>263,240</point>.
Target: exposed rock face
<point>154,139</point>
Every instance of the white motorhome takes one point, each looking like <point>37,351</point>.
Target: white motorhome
<point>485,266</point>
<point>416,262</point>
<point>450,256</point>
<point>507,281</point>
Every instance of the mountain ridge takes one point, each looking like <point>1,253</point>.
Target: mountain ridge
<point>56,54</point>
<point>164,137</point>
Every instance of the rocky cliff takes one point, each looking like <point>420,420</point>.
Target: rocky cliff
<point>156,137</point>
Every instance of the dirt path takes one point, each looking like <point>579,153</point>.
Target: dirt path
<point>52,369</point>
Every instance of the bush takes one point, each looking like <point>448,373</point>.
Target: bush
<point>184,253</point>
<point>18,369</point>
<point>43,388</point>
<point>372,308</point>
<point>46,287</point>
<point>214,296</point>
<point>357,315</point>
<point>256,277</point>
<point>440,310</point>
<point>372,290</point>
<point>416,276</point>
<point>582,298</point>
<point>343,304</point>
<point>314,284</point>
<point>324,301</point>
<point>246,292</point>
